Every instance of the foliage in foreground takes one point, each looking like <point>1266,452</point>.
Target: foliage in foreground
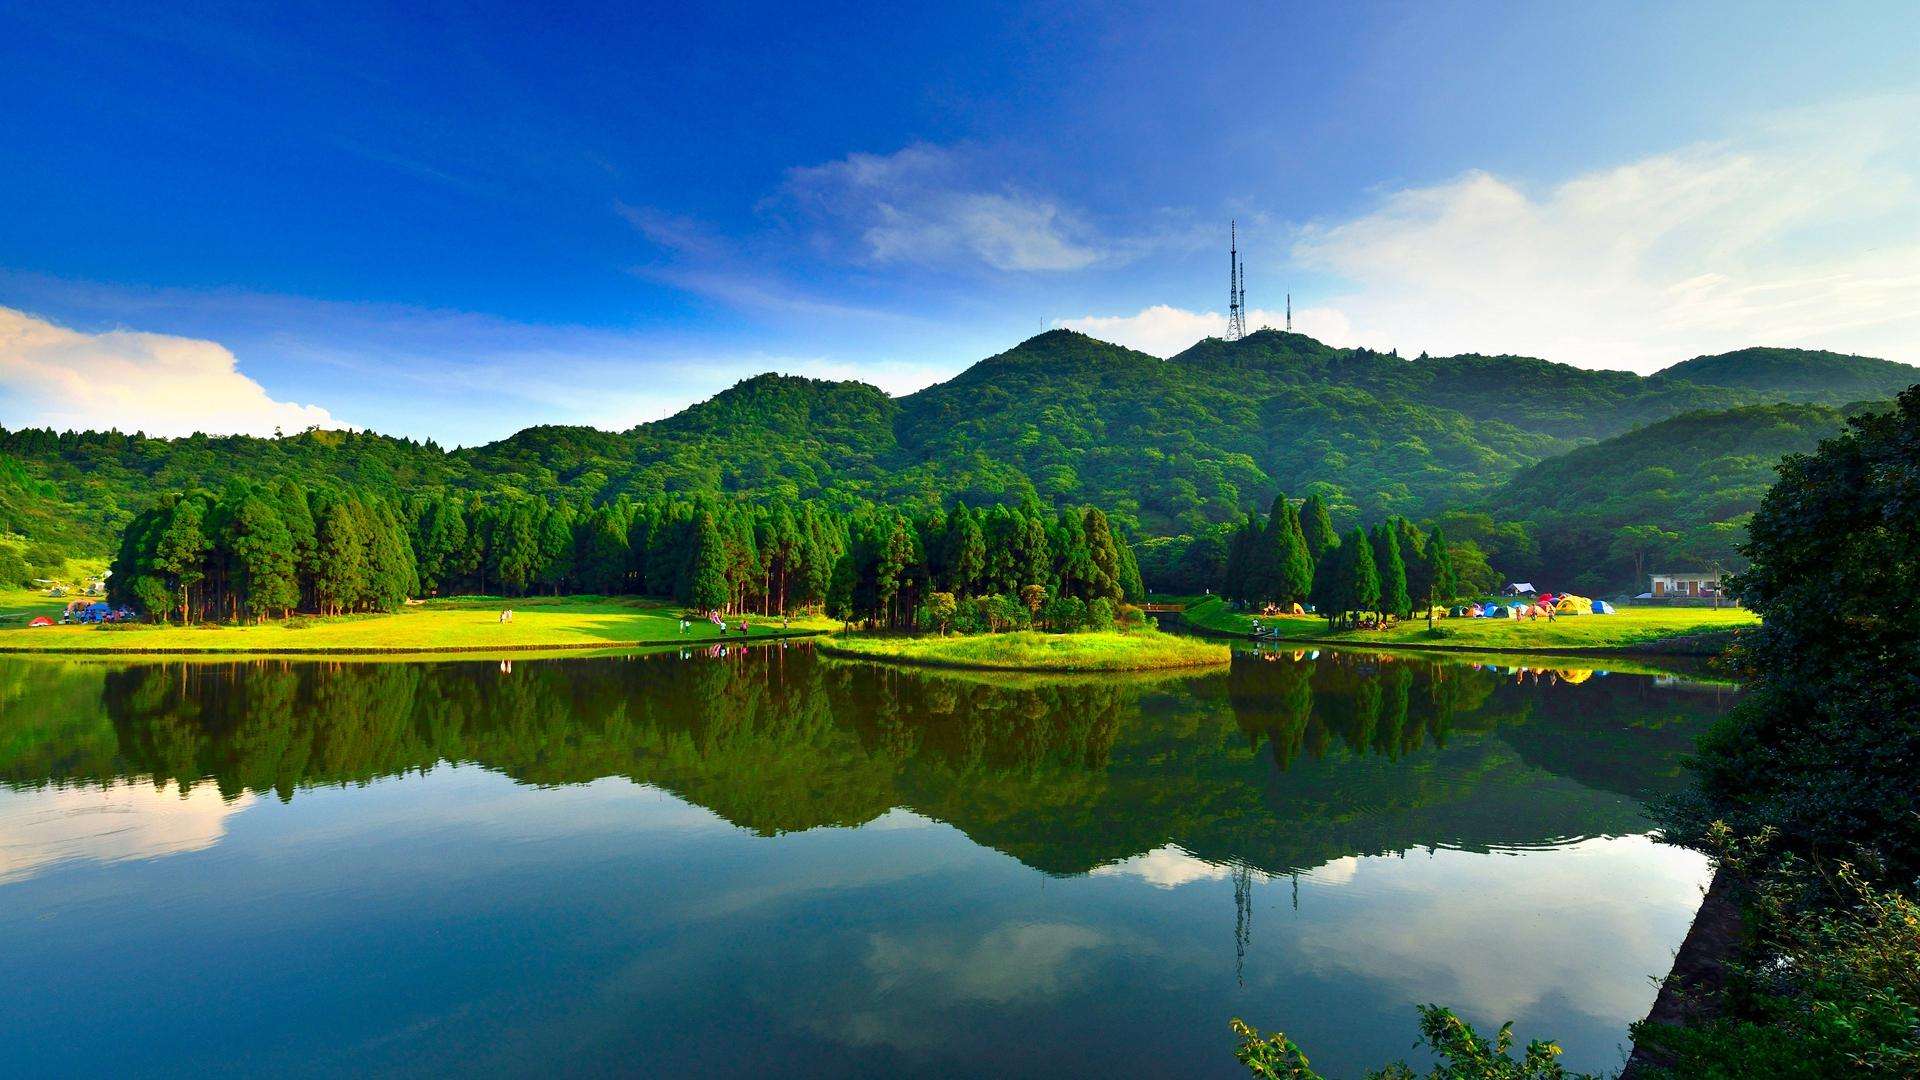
<point>1816,767</point>
<point>1833,988</point>
<point>1463,1053</point>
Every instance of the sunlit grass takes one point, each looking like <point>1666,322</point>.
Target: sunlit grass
<point>1137,650</point>
<point>463,623</point>
<point>1630,627</point>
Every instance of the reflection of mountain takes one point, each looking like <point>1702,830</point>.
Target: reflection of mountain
<point>1277,763</point>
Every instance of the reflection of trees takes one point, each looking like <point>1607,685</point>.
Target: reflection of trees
<point>1361,754</point>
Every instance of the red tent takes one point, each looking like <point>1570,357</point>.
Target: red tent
<point>41,621</point>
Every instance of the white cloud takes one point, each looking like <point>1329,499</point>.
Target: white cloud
<point>924,204</point>
<point>163,385</point>
<point>1798,232</point>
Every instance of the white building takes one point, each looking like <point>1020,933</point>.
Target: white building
<point>1686,583</point>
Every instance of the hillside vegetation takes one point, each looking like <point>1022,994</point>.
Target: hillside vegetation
<point>1174,447</point>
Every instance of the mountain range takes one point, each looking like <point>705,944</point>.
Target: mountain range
<point>1172,446</point>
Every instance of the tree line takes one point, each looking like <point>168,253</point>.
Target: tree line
<point>1294,556</point>
<point>260,551</point>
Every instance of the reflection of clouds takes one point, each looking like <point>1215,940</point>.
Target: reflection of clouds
<point>1340,871</point>
<point>1009,963</point>
<point>913,982</point>
<point>40,829</point>
<point>1169,867</point>
<point>1526,937</point>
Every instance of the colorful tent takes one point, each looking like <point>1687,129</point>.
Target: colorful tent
<point>1601,607</point>
<point>41,621</point>
<point>1574,605</point>
<point>1497,611</point>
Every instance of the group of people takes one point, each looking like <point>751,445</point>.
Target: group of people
<point>506,615</point>
<point>714,617</point>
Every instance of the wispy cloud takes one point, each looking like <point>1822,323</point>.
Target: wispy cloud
<point>928,205</point>
<point>158,383</point>
<point>1799,231</point>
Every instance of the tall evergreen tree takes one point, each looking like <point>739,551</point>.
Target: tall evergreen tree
<point>1391,571</point>
<point>555,565</point>
<point>263,554</point>
<point>966,554</point>
<point>1103,557</point>
<point>1316,526</point>
<point>706,577</point>
<point>1446,582</point>
<point>1363,581</point>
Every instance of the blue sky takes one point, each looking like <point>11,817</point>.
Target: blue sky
<point>455,223</point>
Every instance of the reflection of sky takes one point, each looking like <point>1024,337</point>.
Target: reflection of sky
<point>127,820</point>
<point>456,920</point>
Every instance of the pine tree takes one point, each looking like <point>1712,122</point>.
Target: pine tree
<point>263,554</point>
<point>1362,591</point>
<point>1103,557</point>
<point>182,551</point>
<point>965,555</point>
<point>556,558</point>
<point>1391,571</point>
<point>1316,526</point>
<point>706,578</point>
<point>1446,582</point>
<point>1413,552</point>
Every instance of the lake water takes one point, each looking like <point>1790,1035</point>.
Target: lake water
<point>771,862</point>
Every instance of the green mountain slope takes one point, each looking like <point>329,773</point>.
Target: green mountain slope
<point>1171,445</point>
<point>1797,375</point>
<point>1677,492</point>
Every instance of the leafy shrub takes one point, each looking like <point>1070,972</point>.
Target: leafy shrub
<point>298,622</point>
<point>1099,614</point>
<point>1834,989</point>
<point>1464,1054</point>
<point>1064,614</point>
<point>936,613</point>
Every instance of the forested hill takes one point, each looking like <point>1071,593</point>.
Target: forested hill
<point>1797,375</point>
<point>1672,495</point>
<point>1171,446</point>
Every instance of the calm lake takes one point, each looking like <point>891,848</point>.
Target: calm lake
<point>769,861</point>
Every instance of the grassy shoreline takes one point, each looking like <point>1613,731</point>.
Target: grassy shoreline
<point>439,627</point>
<point>1138,650</point>
<point>1642,631</point>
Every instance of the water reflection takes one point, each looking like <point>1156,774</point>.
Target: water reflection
<point>763,859</point>
<point>1279,764</point>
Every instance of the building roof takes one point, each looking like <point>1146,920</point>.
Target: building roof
<point>1685,573</point>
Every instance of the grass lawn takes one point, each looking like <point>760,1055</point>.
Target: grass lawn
<point>1137,650</point>
<point>461,624</point>
<point>1631,628</point>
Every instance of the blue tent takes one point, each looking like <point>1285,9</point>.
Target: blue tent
<point>1601,607</point>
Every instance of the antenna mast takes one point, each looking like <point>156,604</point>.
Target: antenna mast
<point>1236,287</point>
<point>1289,312</point>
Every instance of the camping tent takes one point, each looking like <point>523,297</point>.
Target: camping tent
<point>1601,607</point>
<point>1518,588</point>
<point>41,621</point>
<point>1498,611</point>
<point>1574,605</point>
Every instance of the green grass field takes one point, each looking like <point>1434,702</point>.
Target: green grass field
<point>1647,628</point>
<point>1138,650</point>
<point>464,624</point>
